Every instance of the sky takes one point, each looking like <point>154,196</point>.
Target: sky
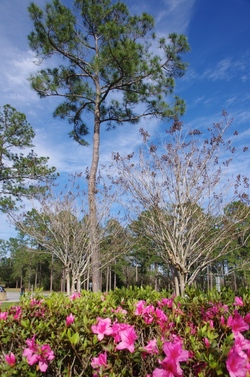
<point>217,79</point>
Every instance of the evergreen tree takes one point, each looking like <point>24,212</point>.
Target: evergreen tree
<point>19,170</point>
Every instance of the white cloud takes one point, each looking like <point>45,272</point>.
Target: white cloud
<point>227,68</point>
<point>16,66</point>
<point>176,15</point>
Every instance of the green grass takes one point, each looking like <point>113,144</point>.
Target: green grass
<point>6,305</point>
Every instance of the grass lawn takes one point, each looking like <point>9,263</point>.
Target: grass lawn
<point>6,305</point>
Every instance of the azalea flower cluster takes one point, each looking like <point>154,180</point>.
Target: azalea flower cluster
<point>163,337</point>
<point>38,354</point>
<point>125,336</point>
<point>123,333</point>
<point>15,313</point>
<point>238,359</point>
<point>171,345</point>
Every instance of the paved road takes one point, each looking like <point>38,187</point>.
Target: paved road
<point>13,296</point>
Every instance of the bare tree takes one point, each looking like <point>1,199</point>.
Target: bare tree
<point>180,190</point>
<point>61,227</point>
<point>60,224</point>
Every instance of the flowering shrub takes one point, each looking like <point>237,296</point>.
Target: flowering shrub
<point>128,332</point>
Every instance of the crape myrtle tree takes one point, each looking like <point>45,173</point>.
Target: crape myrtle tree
<point>180,187</point>
<point>21,174</point>
<point>108,62</point>
<point>61,228</point>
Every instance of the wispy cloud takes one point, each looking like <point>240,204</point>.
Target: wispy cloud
<point>228,68</point>
<point>175,15</point>
<point>170,15</point>
<point>14,75</point>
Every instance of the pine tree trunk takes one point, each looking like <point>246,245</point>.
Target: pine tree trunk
<point>94,241</point>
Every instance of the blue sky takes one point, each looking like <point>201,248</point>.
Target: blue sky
<point>218,77</point>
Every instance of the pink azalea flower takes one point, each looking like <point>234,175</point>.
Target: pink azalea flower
<point>171,363</point>
<point>140,307</point>
<point>241,344</point>
<point>11,359</point>
<point>222,320</point>
<point>102,328</point>
<point>100,361</point>
<point>247,318</point>
<point>162,373</point>
<point>238,301</point>
<point>3,315</point>
<point>215,310</point>
<point>16,311</point>
<point>237,323</point>
<point>207,343</point>
<point>151,347</point>
<point>236,364</point>
<point>148,314</point>
<point>75,295</point>
<point>168,301</point>
<point>192,328</point>
<point>161,316</point>
<point>128,337</point>
<point>120,310</point>
<point>117,328</point>
<point>37,353</point>
<point>70,319</point>
<point>35,302</point>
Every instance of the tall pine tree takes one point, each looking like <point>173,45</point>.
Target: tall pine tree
<point>109,65</point>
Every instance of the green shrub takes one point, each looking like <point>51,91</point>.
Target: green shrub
<point>105,334</point>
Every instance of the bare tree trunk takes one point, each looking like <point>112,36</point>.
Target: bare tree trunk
<point>73,282</point>
<point>78,284</point>
<point>88,280</point>
<point>63,280</point>
<point>182,283</point>
<point>107,279</point>
<point>67,277</point>
<point>176,283</point>
<point>51,273</point>
<point>110,278</point>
